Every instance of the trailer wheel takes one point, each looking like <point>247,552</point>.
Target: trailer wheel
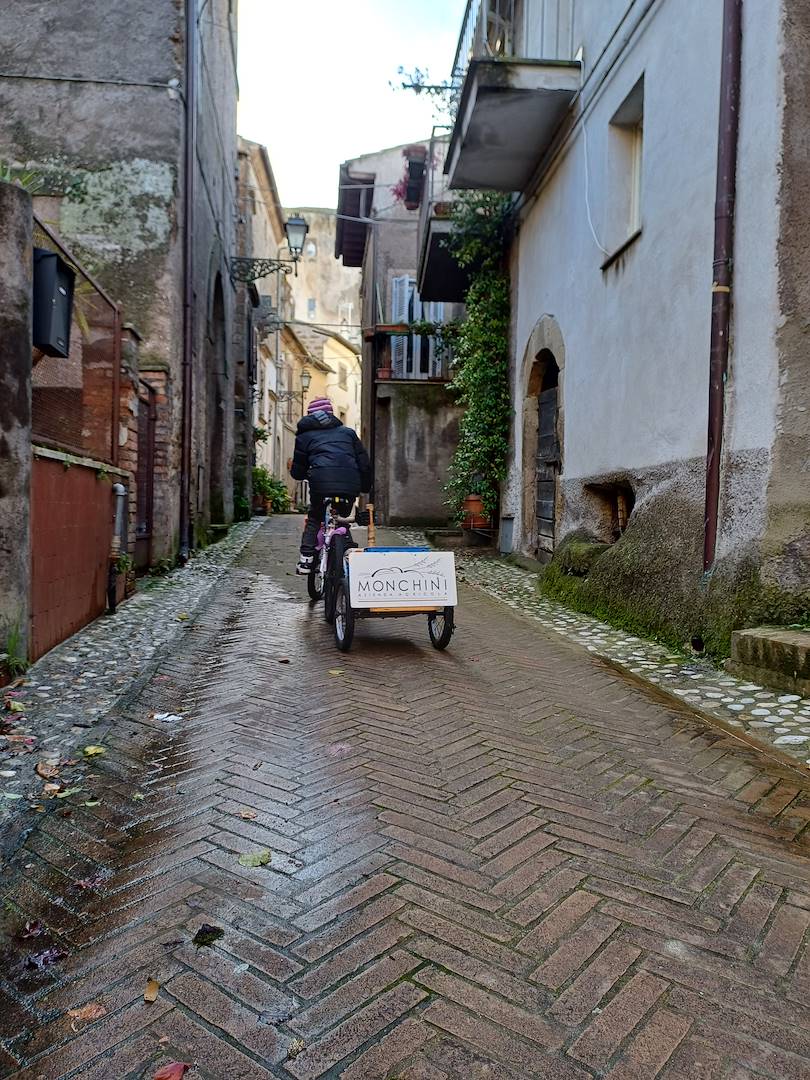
<point>440,627</point>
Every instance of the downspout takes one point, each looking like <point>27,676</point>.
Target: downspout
<point>188,278</point>
<point>118,546</point>
<point>723,264</point>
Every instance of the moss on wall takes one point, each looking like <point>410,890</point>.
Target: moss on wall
<point>651,582</point>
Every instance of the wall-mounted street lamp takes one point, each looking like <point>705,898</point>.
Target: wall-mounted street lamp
<point>290,395</point>
<point>248,270</point>
<point>296,230</point>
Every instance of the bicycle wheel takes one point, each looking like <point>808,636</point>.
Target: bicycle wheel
<point>441,627</point>
<point>344,617</point>
<point>334,572</point>
<point>315,580</point>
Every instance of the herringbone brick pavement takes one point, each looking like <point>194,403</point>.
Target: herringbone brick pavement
<point>498,862</point>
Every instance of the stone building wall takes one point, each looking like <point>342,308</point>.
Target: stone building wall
<point>100,118</point>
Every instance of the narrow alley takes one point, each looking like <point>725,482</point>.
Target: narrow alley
<point>501,861</point>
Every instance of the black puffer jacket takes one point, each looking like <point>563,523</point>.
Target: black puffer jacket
<point>330,456</point>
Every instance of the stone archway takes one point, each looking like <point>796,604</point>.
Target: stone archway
<point>541,458</point>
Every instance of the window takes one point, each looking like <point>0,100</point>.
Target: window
<point>414,356</point>
<point>311,308</point>
<point>345,313</point>
<point>625,163</point>
<point>343,374</point>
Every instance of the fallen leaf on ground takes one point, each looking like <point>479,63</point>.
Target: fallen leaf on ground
<point>248,815</point>
<point>10,795</point>
<point>152,988</point>
<point>94,1011</point>
<point>33,928</point>
<point>38,808</point>
<point>255,858</point>
<point>207,935</point>
<point>163,1040</point>
<point>336,671</point>
<point>89,882</point>
<point>175,1070</point>
<point>67,792</point>
<point>138,796</point>
<point>15,706</point>
<point>51,789</point>
<point>92,802</point>
<point>183,616</point>
<point>284,661</point>
<point>47,772</point>
<point>166,717</point>
<point>173,944</point>
<point>93,751</point>
<point>258,765</point>
<point>296,1047</point>
<point>8,772</point>
<point>45,958</point>
<point>240,969</point>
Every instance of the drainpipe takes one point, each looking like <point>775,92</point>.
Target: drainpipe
<point>188,277</point>
<point>723,264</point>
<point>119,543</point>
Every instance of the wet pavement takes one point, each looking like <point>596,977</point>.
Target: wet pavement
<point>501,861</point>
<point>67,696</point>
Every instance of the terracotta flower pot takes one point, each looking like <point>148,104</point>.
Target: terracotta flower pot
<point>474,516</point>
<point>384,372</point>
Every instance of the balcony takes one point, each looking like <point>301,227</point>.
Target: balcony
<point>402,355</point>
<point>439,277</point>
<point>509,106</point>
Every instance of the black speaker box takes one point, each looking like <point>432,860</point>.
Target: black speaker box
<point>53,303</point>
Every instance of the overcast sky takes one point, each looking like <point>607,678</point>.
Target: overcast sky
<point>314,77</point>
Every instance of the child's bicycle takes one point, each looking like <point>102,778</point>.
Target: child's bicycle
<point>378,583</point>
<point>334,540</point>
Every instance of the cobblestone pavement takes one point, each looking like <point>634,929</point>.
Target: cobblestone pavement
<point>73,687</point>
<point>778,723</point>
<point>497,862</point>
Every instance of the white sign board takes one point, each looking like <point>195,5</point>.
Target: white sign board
<point>402,579</point>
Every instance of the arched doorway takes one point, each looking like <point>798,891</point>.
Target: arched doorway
<point>547,463</point>
<point>541,459</point>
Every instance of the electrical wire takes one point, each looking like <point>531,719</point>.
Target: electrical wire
<point>596,240</point>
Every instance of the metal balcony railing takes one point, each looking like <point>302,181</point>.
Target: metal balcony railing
<point>437,194</point>
<point>488,29</point>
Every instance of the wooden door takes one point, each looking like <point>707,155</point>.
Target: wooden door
<point>548,466</point>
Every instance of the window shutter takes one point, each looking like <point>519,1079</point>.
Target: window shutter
<point>414,368</point>
<point>399,314</point>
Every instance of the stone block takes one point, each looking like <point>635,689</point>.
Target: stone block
<point>772,656</point>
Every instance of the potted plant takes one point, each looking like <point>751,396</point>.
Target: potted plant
<point>262,489</point>
<point>409,188</point>
<point>474,515</point>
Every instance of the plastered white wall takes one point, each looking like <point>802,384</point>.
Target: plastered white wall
<point>635,387</point>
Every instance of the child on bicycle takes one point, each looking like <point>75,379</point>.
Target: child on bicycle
<point>334,461</point>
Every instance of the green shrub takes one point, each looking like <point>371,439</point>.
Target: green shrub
<point>267,488</point>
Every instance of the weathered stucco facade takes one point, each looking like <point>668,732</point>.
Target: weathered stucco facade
<point>612,276</point>
<point>410,425</point>
<point>101,119</point>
